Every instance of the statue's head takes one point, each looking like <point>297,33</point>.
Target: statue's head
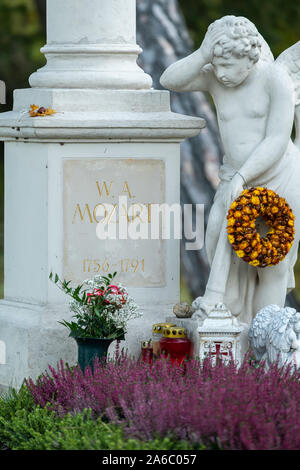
<point>237,50</point>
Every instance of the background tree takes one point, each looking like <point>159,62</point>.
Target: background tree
<point>164,38</point>
<point>21,38</point>
<point>276,20</point>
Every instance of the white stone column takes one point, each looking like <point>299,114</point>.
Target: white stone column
<point>109,127</point>
<point>91,44</point>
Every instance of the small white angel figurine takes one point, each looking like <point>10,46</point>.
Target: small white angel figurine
<point>255,99</point>
<point>274,335</point>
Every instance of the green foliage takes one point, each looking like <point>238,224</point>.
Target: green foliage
<point>12,403</point>
<point>21,38</point>
<point>278,22</point>
<point>23,427</point>
<point>90,309</point>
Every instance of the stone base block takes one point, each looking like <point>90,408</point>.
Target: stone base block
<point>31,339</point>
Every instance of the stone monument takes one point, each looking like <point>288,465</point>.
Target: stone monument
<point>112,135</point>
<point>256,99</point>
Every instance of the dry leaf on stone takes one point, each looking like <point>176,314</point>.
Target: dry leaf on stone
<point>40,111</point>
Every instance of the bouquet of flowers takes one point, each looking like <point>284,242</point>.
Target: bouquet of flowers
<point>101,308</point>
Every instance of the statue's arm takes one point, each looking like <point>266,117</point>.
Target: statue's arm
<point>194,72</point>
<point>189,74</point>
<point>279,126</point>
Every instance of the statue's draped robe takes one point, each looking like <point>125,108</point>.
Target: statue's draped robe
<point>233,277</point>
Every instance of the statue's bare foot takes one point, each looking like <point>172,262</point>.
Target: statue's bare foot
<point>202,308</point>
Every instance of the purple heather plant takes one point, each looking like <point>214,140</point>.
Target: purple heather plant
<point>221,406</point>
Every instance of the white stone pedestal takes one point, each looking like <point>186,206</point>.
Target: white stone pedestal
<point>112,135</point>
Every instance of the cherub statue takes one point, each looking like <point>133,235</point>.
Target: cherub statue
<point>274,335</point>
<point>255,99</point>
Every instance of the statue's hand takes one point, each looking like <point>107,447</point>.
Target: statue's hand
<point>295,342</point>
<point>211,38</point>
<point>234,190</point>
<point>296,345</point>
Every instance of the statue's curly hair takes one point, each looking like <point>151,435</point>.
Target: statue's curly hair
<point>240,38</point>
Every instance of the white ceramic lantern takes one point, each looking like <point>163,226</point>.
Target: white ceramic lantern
<point>219,336</point>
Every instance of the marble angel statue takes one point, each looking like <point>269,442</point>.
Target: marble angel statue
<point>256,101</point>
<point>274,335</point>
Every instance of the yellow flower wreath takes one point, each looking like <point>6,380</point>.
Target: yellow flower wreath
<point>243,236</point>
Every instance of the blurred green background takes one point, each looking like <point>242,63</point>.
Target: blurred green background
<point>22,36</point>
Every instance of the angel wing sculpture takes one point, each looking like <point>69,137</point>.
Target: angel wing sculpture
<point>290,60</point>
<point>274,335</point>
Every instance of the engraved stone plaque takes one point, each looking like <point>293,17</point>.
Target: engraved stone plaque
<point>91,184</point>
